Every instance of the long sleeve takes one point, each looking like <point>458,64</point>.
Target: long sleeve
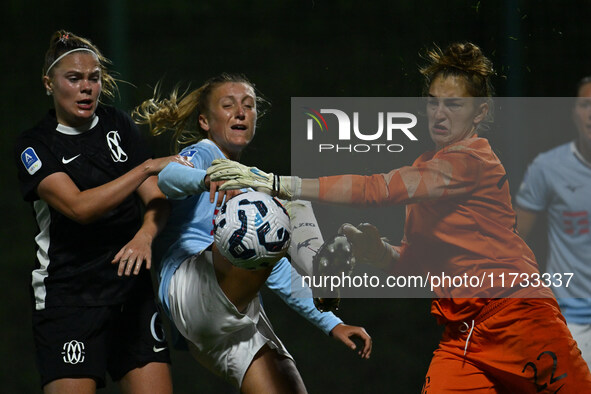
<point>450,175</point>
<point>287,284</point>
<point>306,238</point>
<point>178,181</point>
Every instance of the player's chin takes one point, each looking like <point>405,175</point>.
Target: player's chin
<point>84,115</point>
<point>237,145</point>
<point>244,140</point>
<point>438,139</point>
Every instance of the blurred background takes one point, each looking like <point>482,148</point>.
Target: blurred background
<point>288,49</point>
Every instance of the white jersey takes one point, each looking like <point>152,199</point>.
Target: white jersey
<point>558,182</point>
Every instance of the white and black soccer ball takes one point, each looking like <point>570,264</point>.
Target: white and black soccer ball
<point>252,230</point>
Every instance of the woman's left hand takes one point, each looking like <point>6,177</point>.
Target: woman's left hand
<point>132,256</point>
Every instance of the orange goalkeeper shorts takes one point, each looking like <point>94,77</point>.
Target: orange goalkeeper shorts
<point>515,345</point>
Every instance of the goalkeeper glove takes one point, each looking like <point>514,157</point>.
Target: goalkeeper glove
<point>368,246</point>
<point>238,176</point>
<point>334,258</point>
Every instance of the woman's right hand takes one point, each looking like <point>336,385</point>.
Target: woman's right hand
<point>157,165</point>
<point>215,187</point>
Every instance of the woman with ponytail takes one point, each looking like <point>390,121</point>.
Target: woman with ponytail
<point>214,304</point>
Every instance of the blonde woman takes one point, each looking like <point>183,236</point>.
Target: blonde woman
<point>214,304</point>
<point>86,172</point>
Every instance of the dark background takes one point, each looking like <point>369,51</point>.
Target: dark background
<point>288,49</point>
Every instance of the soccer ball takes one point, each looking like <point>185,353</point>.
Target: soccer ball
<point>252,230</point>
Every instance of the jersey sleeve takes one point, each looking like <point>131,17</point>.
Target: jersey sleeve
<point>534,191</point>
<point>450,175</point>
<point>287,284</point>
<point>306,237</point>
<point>178,181</point>
<point>34,162</point>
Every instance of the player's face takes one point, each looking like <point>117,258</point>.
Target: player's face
<point>231,118</point>
<point>76,86</point>
<point>582,114</point>
<point>452,112</point>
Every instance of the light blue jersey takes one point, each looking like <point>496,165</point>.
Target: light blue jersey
<point>558,182</point>
<point>190,230</point>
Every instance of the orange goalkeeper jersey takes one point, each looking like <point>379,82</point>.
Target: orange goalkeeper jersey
<point>459,222</point>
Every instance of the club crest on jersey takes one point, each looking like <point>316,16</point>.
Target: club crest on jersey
<point>189,154</point>
<point>117,153</point>
<point>30,160</point>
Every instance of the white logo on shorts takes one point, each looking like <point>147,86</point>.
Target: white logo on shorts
<point>117,153</point>
<point>73,352</point>
<point>157,332</point>
<point>156,328</point>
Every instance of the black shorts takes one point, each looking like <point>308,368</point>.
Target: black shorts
<point>85,342</point>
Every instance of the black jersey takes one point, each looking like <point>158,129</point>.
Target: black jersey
<point>73,261</point>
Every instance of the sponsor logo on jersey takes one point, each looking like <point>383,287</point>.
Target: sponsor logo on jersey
<point>117,153</point>
<point>575,222</point>
<point>30,160</point>
<point>73,352</point>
